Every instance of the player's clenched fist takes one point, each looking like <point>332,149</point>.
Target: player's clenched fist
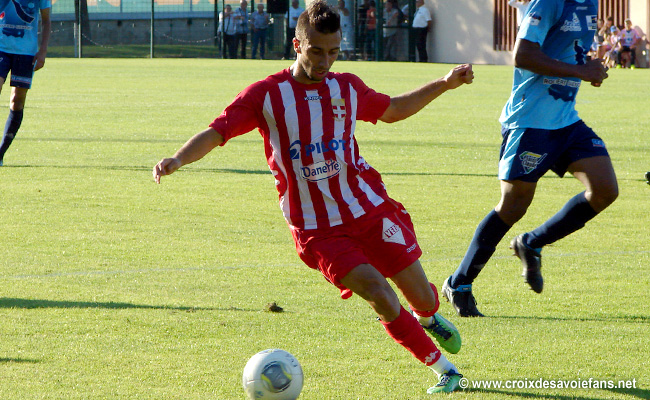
<point>460,75</point>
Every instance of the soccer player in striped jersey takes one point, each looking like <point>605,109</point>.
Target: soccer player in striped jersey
<point>342,220</point>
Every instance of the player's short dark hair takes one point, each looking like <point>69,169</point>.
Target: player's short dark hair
<point>319,15</point>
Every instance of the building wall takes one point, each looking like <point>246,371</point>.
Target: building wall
<point>640,14</point>
<point>463,32</point>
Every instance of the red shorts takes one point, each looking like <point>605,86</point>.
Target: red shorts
<point>385,239</point>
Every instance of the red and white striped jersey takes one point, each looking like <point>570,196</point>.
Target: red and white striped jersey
<point>310,147</point>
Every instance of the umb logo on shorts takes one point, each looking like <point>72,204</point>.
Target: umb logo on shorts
<point>392,233</point>
<point>321,170</point>
<point>530,160</point>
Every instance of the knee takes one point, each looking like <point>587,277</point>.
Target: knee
<point>376,291</point>
<point>603,196</point>
<point>513,209</point>
<point>17,102</point>
<point>381,297</point>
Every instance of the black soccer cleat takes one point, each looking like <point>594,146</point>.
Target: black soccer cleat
<point>647,177</point>
<point>532,261</point>
<point>462,299</point>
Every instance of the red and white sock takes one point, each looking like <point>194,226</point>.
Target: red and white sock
<point>408,332</point>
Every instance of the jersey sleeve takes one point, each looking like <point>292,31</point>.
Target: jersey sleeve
<point>371,104</point>
<point>241,116</point>
<point>45,4</point>
<point>540,17</point>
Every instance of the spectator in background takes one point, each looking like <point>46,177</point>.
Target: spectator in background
<point>371,30</point>
<point>391,15</point>
<point>642,58</point>
<point>242,18</point>
<point>362,17</point>
<point>599,39</point>
<point>229,31</point>
<point>422,24</point>
<point>628,38</point>
<point>611,57</point>
<point>606,29</point>
<point>521,6</point>
<point>292,18</point>
<point>347,31</point>
<point>260,21</point>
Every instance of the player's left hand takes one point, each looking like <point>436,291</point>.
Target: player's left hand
<point>39,61</point>
<point>462,74</point>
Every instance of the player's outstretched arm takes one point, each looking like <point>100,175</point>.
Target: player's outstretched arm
<point>407,104</point>
<point>529,55</point>
<point>194,149</point>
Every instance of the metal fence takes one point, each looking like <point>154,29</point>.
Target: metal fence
<point>188,28</point>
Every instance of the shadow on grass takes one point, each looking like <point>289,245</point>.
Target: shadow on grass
<point>640,393</point>
<point>29,304</point>
<point>17,360</point>
<point>642,319</point>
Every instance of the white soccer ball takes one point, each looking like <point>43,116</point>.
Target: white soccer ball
<point>272,374</point>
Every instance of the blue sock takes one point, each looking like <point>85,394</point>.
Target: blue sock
<point>488,234</point>
<point>11,128</point>
<point>573,216</point>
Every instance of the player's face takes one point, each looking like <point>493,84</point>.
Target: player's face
<point>316,54</point>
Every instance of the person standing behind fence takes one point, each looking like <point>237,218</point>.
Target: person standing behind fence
<point>347,30</point>
<point>242,18</point>
<point>391,16</point>
<point>371,30</point>
<point>229,31</point>
<point>22,54</point>
<point>292,18</point>
<point>260,24</point>
<point>422,24</point>
<point>362,17</point>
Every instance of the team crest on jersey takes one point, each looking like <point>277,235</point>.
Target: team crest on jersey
<point>338,108</point>
<point>392,233</point>
<point>530,160</point>
<point>573,25</point>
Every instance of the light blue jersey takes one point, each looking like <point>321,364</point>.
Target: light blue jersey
<point>19,25</point>
<point>564,29</point>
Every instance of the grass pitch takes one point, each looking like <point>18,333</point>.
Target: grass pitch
<point>116,288</point>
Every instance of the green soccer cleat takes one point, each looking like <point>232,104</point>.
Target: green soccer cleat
<point>449,382</point>
<point>445,333</point>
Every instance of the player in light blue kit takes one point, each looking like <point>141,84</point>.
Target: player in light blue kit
<point>22,54</point>
<point>542,131</point>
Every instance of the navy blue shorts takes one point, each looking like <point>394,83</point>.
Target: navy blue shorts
<point>528,153</point>
<point>21,67</point>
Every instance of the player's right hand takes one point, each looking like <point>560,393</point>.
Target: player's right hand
<point>594,71</point>
<point>165,166</point>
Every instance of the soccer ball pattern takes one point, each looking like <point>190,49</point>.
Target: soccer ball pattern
<point>272,374</point>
